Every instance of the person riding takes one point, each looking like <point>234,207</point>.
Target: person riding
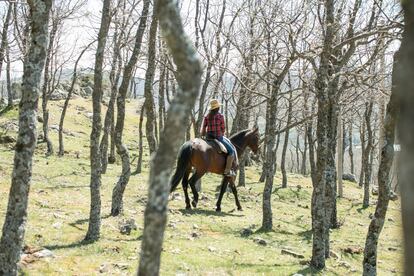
<point>214,128</point>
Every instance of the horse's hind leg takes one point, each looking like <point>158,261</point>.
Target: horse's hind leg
<point>185,189</point>
<point>236,198</point>
<point>193,180</point>
<point>224,183</point>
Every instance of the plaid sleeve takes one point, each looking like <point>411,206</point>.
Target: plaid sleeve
<point>223,127</point>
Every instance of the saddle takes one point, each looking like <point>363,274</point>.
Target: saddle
<point>217,145</point>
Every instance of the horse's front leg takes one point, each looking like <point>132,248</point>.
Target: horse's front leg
<point>222,191</point>
<point>236,198</point>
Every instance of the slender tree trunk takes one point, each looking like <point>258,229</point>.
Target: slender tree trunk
<point>16,216</point>
<point>122,150</point>
<point>8,78</point>
<point>189,79</point>
<point>148,90</point>
<point>286,143</point>
<point>387,157</point>
<point>367,154</point>
<point>66,104</point>
<point>140,145</point>
<point>351,150</point>
<point>406,130</point>
<point>303,170</point>
<point>95,155</point>
<point>45,89</point>
<point>340,156</point>
<point>114,77</point>
<point>363,142</point>
<point>4,36</point>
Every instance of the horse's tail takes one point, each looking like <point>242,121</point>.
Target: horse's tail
<point>183,163</point>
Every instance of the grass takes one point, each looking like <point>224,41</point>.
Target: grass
<point>59,209</point>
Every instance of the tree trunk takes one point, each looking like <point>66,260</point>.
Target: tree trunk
<point>140,145</point>
<point>122,150</point>
<point>66,104</point>
<point>16,216</point>
<point>303,170</point>
<point>351,146</point>
<point>286,143</point>
<point>362,131</point>
<point>340,156</point>
<point>148,89</point>
<point>387,157</point>
<point>114,77</point>
<point>189,79</point>
<point>45,89</point>
<point>367,154</point>
<point>95,155</point>
<point>4,37</point>
<point>406,130</point>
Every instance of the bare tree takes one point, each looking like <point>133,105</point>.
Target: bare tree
<point>406,130</point>
<point>387,158</point>
<point>95,155</point>
<point>16,215</point>
<point>189,78</point>
<point>118,191</point>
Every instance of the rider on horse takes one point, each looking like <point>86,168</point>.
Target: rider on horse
<point>214,128</point>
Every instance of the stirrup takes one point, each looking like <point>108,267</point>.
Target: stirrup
<point>230,173</point>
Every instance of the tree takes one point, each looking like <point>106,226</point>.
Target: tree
<point>406,130</point>
<point>387,158</point>
<point>16,216</point>
<point>118,191</point>
<point>189,78</point>
<point>95,155</point>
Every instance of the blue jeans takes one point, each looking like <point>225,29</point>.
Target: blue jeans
<point>228,146</point>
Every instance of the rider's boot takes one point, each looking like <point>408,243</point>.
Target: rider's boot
<point>228,171</point>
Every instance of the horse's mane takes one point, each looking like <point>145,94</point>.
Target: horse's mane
<point>237,137</point>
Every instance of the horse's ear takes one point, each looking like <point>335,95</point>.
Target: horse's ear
<point>256,129</point>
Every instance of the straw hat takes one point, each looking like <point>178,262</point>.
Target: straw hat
<point>214,103</point>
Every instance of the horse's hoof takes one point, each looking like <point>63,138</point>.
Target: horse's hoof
<point>194,203</point>
<point>239,208</point>
<point>218,209</point>
<point>188,207</point>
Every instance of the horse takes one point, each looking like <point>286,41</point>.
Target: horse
<point>203,157</point>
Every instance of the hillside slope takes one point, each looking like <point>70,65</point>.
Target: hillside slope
<point>198,242</point>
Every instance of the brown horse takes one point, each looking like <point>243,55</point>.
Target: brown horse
<point>198,154</point>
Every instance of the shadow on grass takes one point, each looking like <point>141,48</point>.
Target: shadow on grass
<point>83,221</point>
<point>207,213</point>
<point>68,246</point>
<point>56,187</point>
<point>307,235</point>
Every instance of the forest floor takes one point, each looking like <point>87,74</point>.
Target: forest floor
<point>197,242</point>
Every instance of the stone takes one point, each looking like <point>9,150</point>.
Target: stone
<point>126,226</point>
<point>44,253</point>
<point>211,249</point>
<point>7,139</point>
<point>292,253</point>
<point>260,241</point>
<point>245,232</point>
<point>344,264</point>
<point>334,255</point>
<point>121,266</point>
<point>57,225</point>
<point>103,268</point>
<point>392,249</point>
<point>349,177</point>
<point>354,250</point>
<point>374,191</point>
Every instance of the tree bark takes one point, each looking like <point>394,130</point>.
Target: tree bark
<point>340,157</point>
<point>95,155</point>
<point>148,89</point>
<point>406,130</point>
<point>189,78</point>
<point>285,144</point>
<point>140,145</point>
<point>4,37</point>
<point>16,216</point>
<point>351,146</point>
<point>118,191</point>
<point>66,104</point>
<point>367,154</point>
<point>387,158</point>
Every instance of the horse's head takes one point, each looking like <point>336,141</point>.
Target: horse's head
<point>253,139</point>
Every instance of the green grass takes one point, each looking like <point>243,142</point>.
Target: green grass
<point>59,206</point>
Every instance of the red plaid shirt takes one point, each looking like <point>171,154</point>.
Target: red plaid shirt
<point>214,125</point>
